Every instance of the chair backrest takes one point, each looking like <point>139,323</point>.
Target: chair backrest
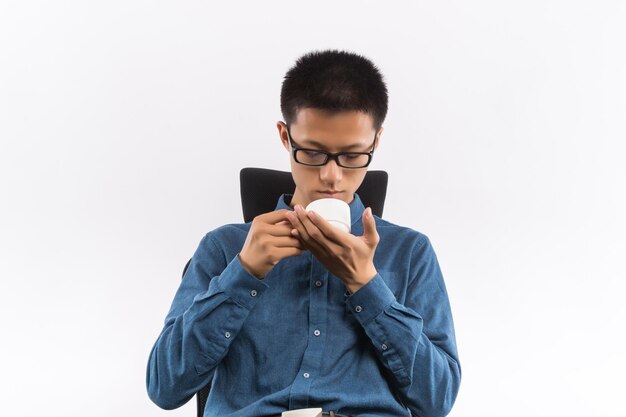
<point>260,190</point>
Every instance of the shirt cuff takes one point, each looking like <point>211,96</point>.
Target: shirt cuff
<point>370,300</point>
<point>244,288</point>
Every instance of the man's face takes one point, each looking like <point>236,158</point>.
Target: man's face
<point>333,132</point>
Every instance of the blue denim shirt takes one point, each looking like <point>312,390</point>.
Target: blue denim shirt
<point>298,339</point>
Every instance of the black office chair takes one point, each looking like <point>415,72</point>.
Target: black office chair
<point>260,190</point>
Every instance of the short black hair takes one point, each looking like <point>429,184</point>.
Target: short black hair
<point>336,81</point>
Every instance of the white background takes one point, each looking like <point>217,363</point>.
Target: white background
<point>124,125</point>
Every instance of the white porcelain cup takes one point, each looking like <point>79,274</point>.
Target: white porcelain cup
<point>303,412</point>
<point>334,211</point>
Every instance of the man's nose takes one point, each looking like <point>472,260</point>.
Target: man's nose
<point>331,172</point>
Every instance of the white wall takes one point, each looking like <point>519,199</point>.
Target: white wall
<point>124,125</point>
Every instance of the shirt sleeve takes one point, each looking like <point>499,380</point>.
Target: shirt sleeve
<point>415,341</point>
<point>208,310</point>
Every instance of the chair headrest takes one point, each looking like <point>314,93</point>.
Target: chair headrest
<point>261,188</point>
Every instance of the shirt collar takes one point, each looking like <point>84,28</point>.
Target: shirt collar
<point>356,206</point>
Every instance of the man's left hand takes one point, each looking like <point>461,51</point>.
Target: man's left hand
<point>348,257</point>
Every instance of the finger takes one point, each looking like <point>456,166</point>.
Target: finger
<point>297,225</point>
<point>369,227</point>
<point>322,240</point>
<point>303,234</point>
<point>287,242</point>
<point>330,232</point>
<point>304,219</point>
<point>310,245</point>
<point>274,217</point>
<point>316,235</point>
<point>280,229</point>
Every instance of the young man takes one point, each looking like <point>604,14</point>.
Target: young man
<point>288,312</point>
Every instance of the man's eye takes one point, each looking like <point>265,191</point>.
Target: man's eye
<point>312,153</point>
<point>352,156</point>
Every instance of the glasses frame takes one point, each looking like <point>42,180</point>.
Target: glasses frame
<point>330,155</point>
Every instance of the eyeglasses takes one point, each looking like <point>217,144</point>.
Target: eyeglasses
<point>317,157</point>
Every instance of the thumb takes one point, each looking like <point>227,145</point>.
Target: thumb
<point>369,227</point>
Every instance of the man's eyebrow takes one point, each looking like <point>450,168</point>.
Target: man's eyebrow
<point>321,145</point>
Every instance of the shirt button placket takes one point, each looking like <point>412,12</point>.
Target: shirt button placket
<point>311,360</point>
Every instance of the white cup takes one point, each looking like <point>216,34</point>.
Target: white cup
<point>334,211</point>
<point>303,412</point>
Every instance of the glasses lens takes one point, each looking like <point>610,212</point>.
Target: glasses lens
<point>310,157</point>
<point>353,160</point>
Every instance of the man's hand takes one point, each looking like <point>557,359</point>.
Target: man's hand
<point>348,257</point>
<point>269,240</point>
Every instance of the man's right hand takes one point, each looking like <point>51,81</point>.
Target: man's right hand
<point>269,240</point>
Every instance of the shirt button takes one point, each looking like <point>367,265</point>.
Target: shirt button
<point>383,346</point>
<point>306,375</point>
<point>227,335</point>
<point>253,293</point>
<point>358,309</point>
<point>316,332</point>
<point>318,284</point>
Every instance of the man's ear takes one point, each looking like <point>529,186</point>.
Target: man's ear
<point>282,133</point>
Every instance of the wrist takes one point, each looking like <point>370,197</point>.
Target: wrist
<point>248,269</point>
<point>359,282</point>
